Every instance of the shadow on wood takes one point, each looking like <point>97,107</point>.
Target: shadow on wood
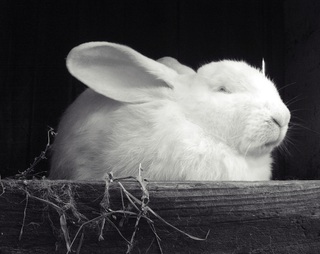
<point>242,217</point>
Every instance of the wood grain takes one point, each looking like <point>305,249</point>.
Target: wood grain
<point>242,217</point>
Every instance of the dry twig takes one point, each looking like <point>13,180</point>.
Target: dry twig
<point>138,208</point>
<point>29,172</point>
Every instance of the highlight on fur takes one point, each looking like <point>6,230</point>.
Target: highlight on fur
<point>220,122</point>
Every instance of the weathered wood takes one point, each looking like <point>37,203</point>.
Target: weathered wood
<point>243,217</point>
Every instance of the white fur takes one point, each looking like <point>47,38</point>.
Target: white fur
<point>213,124</point>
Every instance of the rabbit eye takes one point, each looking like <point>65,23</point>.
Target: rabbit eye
<point>223,89</point>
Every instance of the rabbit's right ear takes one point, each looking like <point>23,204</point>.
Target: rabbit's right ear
<point>176,65</point>
<point>119,72</point>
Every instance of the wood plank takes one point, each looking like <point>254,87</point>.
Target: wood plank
<point>242,217</point>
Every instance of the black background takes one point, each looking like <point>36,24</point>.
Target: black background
<point>36,36</point>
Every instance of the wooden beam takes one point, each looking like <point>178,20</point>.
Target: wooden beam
<point>241,217</point>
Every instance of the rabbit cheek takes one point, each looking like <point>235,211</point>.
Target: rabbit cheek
<point>261,135</point>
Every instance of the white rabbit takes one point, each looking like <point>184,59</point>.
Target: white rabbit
<point>219,123</point>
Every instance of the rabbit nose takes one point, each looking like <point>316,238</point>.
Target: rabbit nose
<point>282,117</point>
<point>276,121</point>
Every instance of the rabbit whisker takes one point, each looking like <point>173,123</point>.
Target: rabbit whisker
<point>283,148</point>
<point>296,118</point>
<point>304,127</point>
<point>289,139</point>
<point>247,150</point>
<point>287,85</point>
<point>297,110</point>
<point>294,100</point>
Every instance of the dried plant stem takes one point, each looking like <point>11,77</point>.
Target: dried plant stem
<point>143,208</point>
<point>151,225</point>
<point>80,243</point>
<point>98,218</point>
<point>177,229</point>
<point>3,187</point>
<point>24,216</point>
<point>42,156</point>
<point>119,232</point>
<point>136,208</point>
<point>64,228</point>
<point>136,228</point>
<point>103,222</point>
<point>53,205</point>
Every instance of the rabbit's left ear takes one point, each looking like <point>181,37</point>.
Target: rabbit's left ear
<point>176,65</point>
<point>119,72</point>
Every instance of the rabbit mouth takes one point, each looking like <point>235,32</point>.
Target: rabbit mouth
<point>272,144</point>
<point>261,149</point>
<point>272,138</point>
<point>268,146</point>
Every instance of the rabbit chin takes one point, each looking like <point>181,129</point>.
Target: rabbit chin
<point>263,142</point>
<point>257,150</point>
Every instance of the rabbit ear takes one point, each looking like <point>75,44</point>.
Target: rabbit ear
<point>119,72</point>
<point>175,65</point>
<point>263,67</point>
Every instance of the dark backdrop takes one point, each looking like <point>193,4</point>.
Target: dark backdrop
<point>36,36</point>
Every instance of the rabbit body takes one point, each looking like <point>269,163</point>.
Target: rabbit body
<point>219,123</point>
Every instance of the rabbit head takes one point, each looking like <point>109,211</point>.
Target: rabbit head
<point>243,107</point>
<point>219,123</point>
